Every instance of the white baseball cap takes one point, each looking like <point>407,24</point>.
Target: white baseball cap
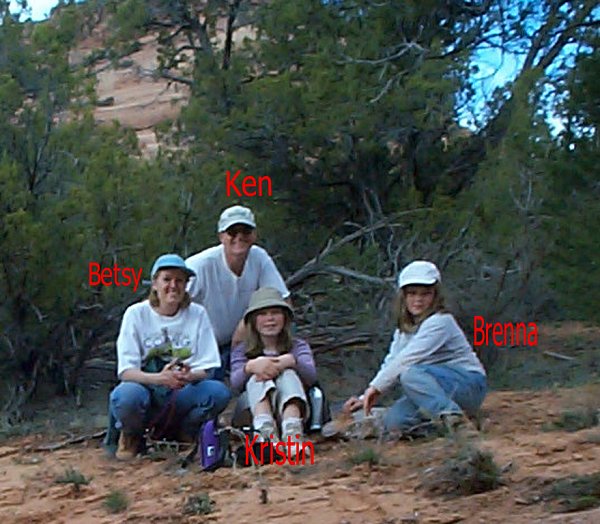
<point>235,215</point>
<point>419,272</point>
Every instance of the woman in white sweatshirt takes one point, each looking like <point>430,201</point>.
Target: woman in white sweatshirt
<point>441,377</point>
<point>165,350</point>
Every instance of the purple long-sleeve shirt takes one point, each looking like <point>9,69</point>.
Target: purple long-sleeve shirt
<point>305,364</point>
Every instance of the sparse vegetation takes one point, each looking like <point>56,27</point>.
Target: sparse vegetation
<point>576,493</point>
<point>116,501</point>
<point>73,476</point>
<point>469,472</point>
<point>575,420</point>
<point>200,504</point>
<point>367,455</point>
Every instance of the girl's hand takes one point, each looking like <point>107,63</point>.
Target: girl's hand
<point>352,404</point>
<point>370,396</point>
<point>264,368</point>
<point>286,361</point>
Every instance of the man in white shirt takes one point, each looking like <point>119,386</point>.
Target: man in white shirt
<point>228,274</point>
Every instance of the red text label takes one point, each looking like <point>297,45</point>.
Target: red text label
<point>247,186</point>
<point>118,276</point>
<point>506,334</point>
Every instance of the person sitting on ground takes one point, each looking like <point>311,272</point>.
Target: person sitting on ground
<point>165,345</point>
<point>273,368</point>
<point>226,276</point>
<point>441,376</point>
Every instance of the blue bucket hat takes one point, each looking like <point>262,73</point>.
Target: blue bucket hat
<point>171,260</point>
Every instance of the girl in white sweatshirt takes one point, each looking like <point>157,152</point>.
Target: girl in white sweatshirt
<point>441,376</point>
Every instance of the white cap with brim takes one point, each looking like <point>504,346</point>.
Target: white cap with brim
<point>236,215</point>
<point>419,272</point>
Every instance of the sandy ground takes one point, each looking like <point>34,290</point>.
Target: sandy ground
<point>330,491</point>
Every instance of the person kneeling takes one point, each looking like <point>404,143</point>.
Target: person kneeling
<point>273,368</point>
<point>164,349</point>
<point>441,377</point>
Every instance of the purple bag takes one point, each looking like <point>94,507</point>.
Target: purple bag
<point>211,449</point>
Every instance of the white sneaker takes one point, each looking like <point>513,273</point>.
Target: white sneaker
<point>267,432</point>
<point>293,434</point>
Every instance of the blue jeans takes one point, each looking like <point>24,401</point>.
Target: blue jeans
<point>225,369</point>
<point>431,390</point>
<point>130,406</point>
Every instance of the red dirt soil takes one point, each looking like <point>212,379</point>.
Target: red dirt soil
<point>331,490</point>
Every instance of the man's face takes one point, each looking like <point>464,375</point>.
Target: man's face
<point>237,240</point>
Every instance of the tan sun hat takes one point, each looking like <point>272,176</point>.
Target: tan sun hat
<point>266,297</point>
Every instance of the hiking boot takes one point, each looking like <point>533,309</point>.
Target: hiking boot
<point>129,446</point>
<point>452,421</point>
<point>458,424</point>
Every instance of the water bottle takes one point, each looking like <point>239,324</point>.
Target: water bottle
<point>315,399</point>
<point>208,445</point>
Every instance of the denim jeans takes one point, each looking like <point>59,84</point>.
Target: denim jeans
<point>431,390</point>
<point>130,406</point>
<point>225,369</point>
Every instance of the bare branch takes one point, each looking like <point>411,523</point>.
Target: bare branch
<point>404,48</point>
<point>176,78</point>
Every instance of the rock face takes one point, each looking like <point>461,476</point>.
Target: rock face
<point>129,92</point>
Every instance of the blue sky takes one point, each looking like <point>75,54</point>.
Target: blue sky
<point>40,9</point>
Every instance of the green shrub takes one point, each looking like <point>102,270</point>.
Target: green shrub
<point>469,472</point>
<point>200,504</point>
<point>367,455</point>
<point>73,476</point>
<point>116,501</point>
<point>576,493</point>
<point>575,420</point>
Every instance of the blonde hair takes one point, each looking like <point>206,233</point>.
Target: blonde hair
<point>254,344</point>
<point>405,320</point>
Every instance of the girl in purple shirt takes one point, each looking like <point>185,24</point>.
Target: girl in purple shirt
<point>273,368</point>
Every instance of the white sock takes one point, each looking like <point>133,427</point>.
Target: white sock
<point>262,419</point>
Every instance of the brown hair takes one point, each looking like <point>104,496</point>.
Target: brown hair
<point>254,345</point>
<point>407,322</point>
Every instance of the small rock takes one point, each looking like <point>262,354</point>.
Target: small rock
<point>410,519</point>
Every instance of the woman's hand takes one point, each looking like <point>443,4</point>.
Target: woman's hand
<point>264,368</point>
<point>352,404</point>
<point>174,375</point>
<point>370,396</point>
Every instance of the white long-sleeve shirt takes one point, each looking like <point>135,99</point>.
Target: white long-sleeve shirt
<point>143,329</point>
<point>438,340</point>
